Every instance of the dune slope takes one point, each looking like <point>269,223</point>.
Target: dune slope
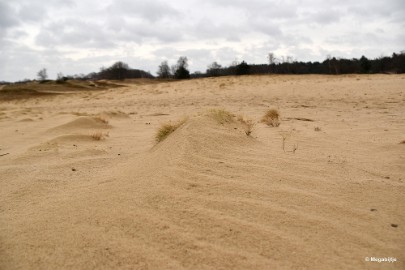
<point>206,197</point>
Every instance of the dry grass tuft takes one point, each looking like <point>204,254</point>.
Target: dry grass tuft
<point>271,118</point>
<point>248,124</point>
<point>221,116</point>
<point>166,129</point>
<point>102,119</point>
<point>98,136</point>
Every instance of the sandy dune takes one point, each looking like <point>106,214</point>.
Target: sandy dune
<point>208,196</point>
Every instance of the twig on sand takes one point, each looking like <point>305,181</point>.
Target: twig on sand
<point>4,154</point>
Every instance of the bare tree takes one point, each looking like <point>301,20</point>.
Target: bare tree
<point>164,70</point>
<point>42,75</point>
<point>329,58</point>
<point>272,62</point>
<point>60,78</point>
<point>272,58</point>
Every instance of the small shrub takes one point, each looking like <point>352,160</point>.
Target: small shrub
<point>402,142</point>
<point>271,118</point>
<point>248,125</point>
<point>98,136</point>
<point>317,129</point>
<point>166,129</point>
<point>221,116</point>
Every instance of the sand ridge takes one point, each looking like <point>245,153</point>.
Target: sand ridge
<point>208,196</point>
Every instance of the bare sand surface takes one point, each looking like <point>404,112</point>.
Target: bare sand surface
<point>85,186</point>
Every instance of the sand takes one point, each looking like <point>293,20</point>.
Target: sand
<point>85,186</point>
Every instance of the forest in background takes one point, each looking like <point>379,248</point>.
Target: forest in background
<point>284,65</point>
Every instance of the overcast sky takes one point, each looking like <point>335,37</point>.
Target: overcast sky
<point>80,36</point>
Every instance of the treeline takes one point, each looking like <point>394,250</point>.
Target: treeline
<point>331,65</point>
<point>276,65</point>
<point>118,71</point>
<point>283,65</point>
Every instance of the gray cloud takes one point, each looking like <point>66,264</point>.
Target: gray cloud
<point>259,8</point>
<point>147,10</point>
<point>8,16</point>
<point>75,33</point>
<point>80,36</point>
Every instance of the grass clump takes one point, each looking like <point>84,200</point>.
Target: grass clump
<point>166,129</point>
<point>247,124</point>
<point>271,118</point>
<point>221,116</point>
<point>98,136</point>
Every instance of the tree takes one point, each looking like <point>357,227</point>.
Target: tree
<point>365,64</point>
<point>118,71</point>
<point>214,69</point>
<point>242,68</point>
<point>60,78</point>
<point>119,65</point>
<point>289,59</point>
<point>164,70</point>
<point>272,62</point>
<point>181,69</point>
<point>272,58</point>
<point>42,75</point>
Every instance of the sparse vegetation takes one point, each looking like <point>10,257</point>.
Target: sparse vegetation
<point>98,136</point>
<point>248,124</point>
<point>12,92</point>
<point>402,142</point>
<point>48,88</point>
<point>295,147</point>
<point>271,118</point>
<point>166,129</point>
<point>102,118</point>
<point>221,116</point>
<point>284,136</point>
<point>317,129</point>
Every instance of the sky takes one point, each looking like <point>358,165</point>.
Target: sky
<point>81,36</point>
